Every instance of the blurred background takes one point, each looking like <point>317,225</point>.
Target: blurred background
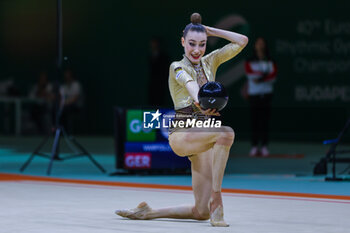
<point>108,48</point>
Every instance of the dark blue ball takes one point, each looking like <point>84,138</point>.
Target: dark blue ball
<point>212,95</point>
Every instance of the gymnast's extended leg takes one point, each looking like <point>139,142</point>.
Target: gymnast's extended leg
<point>201,183</point>
<point>206,184</point>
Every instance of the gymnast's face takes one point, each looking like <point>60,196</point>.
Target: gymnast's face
<point>195,44</point>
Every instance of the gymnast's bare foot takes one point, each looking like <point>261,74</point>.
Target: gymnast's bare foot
<point>140,212</point>
<point>216,210</point>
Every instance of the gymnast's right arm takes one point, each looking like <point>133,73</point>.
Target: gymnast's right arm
<point>193,89</point>
<point>186,81</point>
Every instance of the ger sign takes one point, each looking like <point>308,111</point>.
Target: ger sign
<point>137,160</point>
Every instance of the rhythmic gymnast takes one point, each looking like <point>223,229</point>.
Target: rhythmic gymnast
<point>208,150</point>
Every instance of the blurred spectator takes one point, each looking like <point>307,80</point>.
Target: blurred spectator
<point>4,87</point>
<point>42,90</point>
<point>158,71</point>
<point>8,88</point>
<point>261,73</point>
<point>72,100</point>
<point>41,109</point>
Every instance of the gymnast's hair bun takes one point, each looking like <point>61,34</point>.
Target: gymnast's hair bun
<point>196,18</point>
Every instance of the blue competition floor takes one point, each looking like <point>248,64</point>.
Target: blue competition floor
<point>277,173</point>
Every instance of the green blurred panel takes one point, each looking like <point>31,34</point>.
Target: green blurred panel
<point>134,128</point>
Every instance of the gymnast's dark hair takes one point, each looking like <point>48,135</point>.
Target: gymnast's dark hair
<point>195,25</point>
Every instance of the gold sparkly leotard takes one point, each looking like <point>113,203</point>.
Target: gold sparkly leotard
<point>184,71</point>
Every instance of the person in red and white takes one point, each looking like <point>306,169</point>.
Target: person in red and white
<point>261,73</point>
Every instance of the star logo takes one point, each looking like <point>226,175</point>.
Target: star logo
<point>151,120</point>
<point>156,115</point>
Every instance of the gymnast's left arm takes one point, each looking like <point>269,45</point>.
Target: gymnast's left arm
<point>219,56</point>
<point>234,37</point>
